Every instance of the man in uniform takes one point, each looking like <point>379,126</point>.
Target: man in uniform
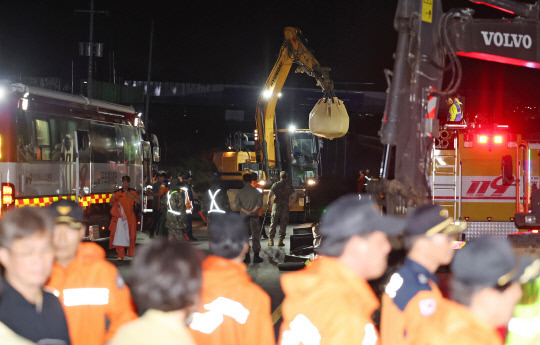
<point>241,307</point>
<point>255,184</point>
<point>192,196</point>
<point>280,209</point>
<point>485,288</point>
<point>95,298</point>
<point>249,200</point>
<point>361,182</point>
<point>330,301</point>
<point>26,255</point>
<point>412,293</point>
<point>173,204</point>
<point>454,112</point>
<point>158,190</point>
<point>126,197</point>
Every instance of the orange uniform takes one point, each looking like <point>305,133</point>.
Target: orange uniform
<point>327,303</point>
<point>127,203</point>
<point>234,310</point>
<point>411,296</point>
<point>94,296</point>
<point>455,324</point>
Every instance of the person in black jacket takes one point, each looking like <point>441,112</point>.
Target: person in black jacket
<point>26,254</point>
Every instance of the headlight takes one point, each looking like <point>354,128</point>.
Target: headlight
<point>311,182</point>
<point>262,183</point>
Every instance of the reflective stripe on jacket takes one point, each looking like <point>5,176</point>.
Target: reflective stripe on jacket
<point>234,310</point>
<point>327,303</point>
<point>96,299</point>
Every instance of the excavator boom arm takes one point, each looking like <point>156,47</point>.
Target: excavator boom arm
<point>293,51</point>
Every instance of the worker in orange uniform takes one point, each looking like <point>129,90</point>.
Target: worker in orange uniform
<point>127,197</point>
<point>94,296</point>
<point>330,301</point>
<point>485,290</point>
<point>412,293</point>
<point>234,310</point>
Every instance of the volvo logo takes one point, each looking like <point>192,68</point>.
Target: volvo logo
<point>505,39</point>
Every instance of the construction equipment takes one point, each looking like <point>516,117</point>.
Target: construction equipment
<point>414,170</point>
<point>268,151</point>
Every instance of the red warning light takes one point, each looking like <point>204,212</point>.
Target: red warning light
<point>483,139</point>
<point>498,139</point>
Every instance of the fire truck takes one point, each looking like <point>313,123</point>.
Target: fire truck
<point>486,174</point>
<point>55,145</point>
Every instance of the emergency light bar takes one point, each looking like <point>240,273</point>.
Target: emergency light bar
<point>484,139</point>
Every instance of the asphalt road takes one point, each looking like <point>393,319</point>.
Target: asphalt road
<point>266,274</point>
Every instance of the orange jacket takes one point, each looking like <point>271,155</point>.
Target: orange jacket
<point>328,302</point>
<point>234,310</point>
<point>93,295</point>
<point>455,324</point>
<point>127,203</point>
<point>411,296</point>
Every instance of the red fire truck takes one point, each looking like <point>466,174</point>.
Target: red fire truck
<point>484,174</point>
<point>55,145</point>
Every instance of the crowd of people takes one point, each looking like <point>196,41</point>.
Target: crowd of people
<point>57,290</point>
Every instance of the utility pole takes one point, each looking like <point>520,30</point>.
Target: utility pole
<point>91,44</point>
<point>147,105</point>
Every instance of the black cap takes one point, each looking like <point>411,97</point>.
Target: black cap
<point>126,178</point>
<point>67,212</point>
<point>488,261</point>
<point>430,220</point>
<point>351,216</point>
<point>186,175</point>
<point>162,173</point>
<point>227,227</point>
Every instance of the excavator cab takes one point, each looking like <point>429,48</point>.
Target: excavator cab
<point>300,156</point>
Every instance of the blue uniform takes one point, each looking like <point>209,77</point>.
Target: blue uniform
<point>411,295</point>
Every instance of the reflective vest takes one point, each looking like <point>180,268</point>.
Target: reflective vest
<point>454,113</point>
<point>214,205</point>
<point>525,325</point>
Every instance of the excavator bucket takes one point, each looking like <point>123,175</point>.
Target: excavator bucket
<point>329,118</point>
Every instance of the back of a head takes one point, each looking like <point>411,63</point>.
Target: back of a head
<point>227,235</point>
<point>247,178</point>
<point>166,275</point>
<point>350,216</point>
<point>485,262</point>
<point>24,222</point>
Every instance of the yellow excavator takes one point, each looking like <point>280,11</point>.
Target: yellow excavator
<point>267,150</point>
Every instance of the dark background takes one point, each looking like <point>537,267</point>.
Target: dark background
<point>236,42</point>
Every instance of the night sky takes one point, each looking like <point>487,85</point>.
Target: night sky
<point>237,42</point>
<point>233,42</point>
